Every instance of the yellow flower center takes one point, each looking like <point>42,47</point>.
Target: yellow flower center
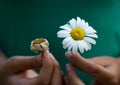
<point>77,33</point>
<point>38,41</point>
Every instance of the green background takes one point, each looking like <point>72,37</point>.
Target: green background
<point>21,21</point>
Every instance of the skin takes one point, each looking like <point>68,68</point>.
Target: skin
<point>19,70</point>
<point>104,69</point>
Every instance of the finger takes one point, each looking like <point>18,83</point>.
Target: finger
<point>97,71</point>
<point>72,78</point>
<point>57,78</point>
<point>45,74</point>
<point>28,74</point>
<point>21,63</point>
<point>103,61</point>
<point>46,70</point>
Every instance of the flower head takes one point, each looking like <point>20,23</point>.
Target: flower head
<point>77,34</point>
<point>39,44</point>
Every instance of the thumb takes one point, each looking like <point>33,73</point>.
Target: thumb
<point>57,75</point>
<point>46,70</point>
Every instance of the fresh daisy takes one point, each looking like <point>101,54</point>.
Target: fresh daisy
<point>77,34</point>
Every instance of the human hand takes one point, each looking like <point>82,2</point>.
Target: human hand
<point>105,70</point>
<point>15,71</point>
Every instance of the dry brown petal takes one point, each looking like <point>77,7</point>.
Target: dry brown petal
<point>39,44</point>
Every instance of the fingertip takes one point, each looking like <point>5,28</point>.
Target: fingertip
<point>68,68</point>
<point>68,54</point>
<point>46,59</point>
<point>45,54</point>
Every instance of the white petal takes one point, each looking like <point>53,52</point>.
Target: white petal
<point>85,45</point>
<point>83,21</point>
<point>70,46</point>
<point>90,40</point>
<point>63,35</point>
<point>92,35</point>
<point>89,45</point>
<point>75,47</point>
<point>81,48</point>
<point>90,30</point>
<point>67,44</point>
<point>83,24</point>
<point>66,27</point>
<point>87,24</point>
<point>66,40</point>
<point>63,32</point>
<point>78,21</point>
<point>72,23</point>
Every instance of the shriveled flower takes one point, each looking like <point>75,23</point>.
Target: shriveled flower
<point>78,35</point>
<point>39,44</point>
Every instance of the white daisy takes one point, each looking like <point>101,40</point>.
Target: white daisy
<point>78,35</point>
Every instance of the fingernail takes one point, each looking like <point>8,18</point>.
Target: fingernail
<point>68,67</point>
<point>68,54</point>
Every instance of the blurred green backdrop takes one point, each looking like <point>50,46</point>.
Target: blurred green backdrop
<point>24,20</point>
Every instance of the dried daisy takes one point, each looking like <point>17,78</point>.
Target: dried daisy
<point>39,44</point>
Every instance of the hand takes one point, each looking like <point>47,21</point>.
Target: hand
<point>104,70</point>
<point>15,71</point>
